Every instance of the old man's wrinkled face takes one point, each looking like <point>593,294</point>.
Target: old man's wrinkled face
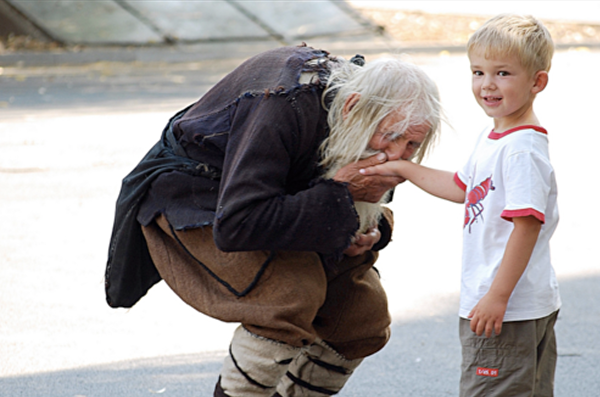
<point>395,144</point>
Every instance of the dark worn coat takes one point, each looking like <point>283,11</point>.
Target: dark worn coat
<point>244,159</point>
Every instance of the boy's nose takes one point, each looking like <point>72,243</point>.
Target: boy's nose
<point>488,83</point>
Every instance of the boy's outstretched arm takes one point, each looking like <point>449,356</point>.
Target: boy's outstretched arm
<point>488,314</point>
<point>435,182</point>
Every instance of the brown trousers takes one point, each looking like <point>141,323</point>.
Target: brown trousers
<point>520,362</point>
<point>284,296</point>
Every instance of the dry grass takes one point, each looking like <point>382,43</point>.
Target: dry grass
<point>420,28</point>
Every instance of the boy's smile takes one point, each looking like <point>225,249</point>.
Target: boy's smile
<point>505,90</point>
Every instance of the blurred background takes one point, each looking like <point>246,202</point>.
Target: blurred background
<point>72,26</point>
<point>85,90</point>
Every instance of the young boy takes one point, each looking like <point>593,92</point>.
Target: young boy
<point>509,294</point>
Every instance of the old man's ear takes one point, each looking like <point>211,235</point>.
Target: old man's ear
<point>349,104</point>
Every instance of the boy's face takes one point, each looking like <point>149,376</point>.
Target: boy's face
<point>503,89</point>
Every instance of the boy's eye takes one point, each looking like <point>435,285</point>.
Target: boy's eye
<point>477,73</point>
<point>503,73</point>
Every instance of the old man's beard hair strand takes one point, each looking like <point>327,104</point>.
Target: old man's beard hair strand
<point>338,154</point>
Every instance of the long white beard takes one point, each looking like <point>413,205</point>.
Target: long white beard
<point>368,213</point>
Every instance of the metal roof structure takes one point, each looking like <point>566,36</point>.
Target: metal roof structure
<point>147,22</point>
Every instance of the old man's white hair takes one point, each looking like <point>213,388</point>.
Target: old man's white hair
<point>385,85</point>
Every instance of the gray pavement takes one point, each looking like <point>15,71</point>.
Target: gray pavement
<point>68,134</point>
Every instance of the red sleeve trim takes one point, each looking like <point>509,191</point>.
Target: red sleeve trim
<point>509,214</point>
<point>459,182</point>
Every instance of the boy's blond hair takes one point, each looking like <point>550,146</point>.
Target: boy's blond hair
<point>511,34</point>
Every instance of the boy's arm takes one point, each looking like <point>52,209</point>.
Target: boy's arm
<point>435,182</point>
<point>488,314</point>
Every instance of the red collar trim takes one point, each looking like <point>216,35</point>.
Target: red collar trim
<point>495,135</point>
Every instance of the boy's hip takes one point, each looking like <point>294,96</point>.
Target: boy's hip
<point>520,361</point>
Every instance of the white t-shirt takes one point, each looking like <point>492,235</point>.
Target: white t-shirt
<point>509,175</point>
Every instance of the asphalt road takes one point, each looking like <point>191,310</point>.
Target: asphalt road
<point>68,135</point>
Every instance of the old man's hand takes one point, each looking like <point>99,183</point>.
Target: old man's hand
<point>363,242</point>
<point>368,188</point>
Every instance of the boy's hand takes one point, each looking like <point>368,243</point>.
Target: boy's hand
<point>367,188</point>
<point>390,168</point>
<point>487,316</point>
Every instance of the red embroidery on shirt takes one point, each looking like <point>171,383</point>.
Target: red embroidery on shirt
<point>473,203</point>
<point>491,372</point>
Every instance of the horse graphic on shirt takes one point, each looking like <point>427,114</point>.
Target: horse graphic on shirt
<point>473,204</point>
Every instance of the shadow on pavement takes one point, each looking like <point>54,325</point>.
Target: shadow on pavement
<point>189,375</point>
<point>422,359</point>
